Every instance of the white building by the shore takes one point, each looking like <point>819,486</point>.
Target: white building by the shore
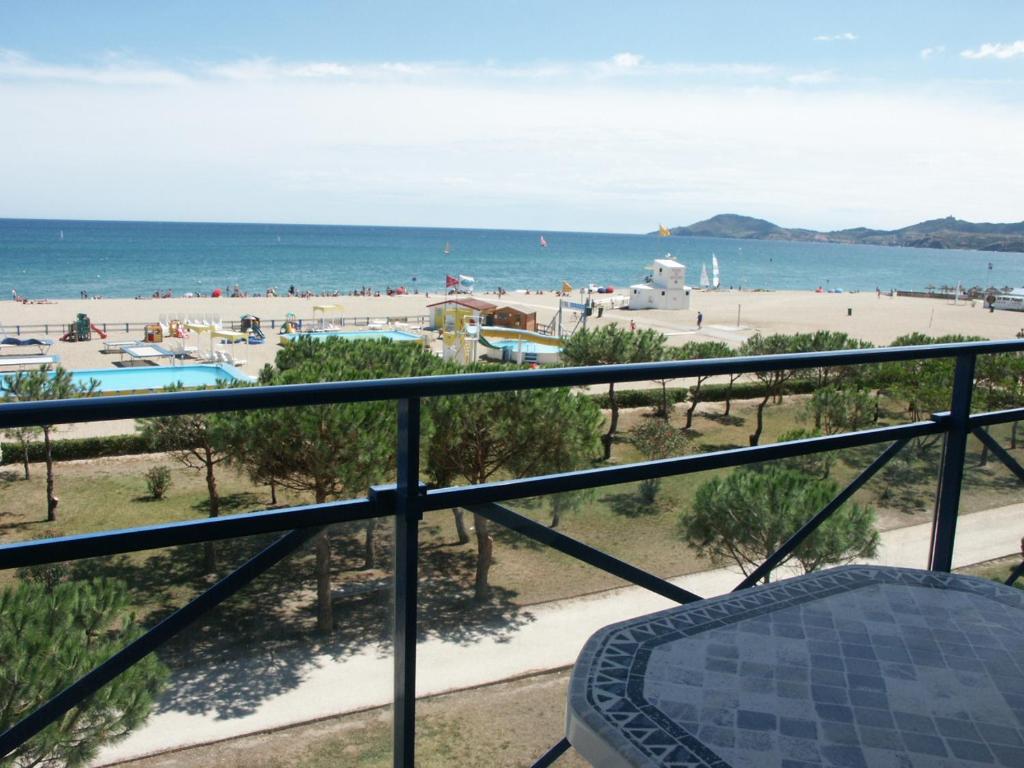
<point>664,288</point>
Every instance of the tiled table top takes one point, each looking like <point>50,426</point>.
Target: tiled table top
<point>854,667</point>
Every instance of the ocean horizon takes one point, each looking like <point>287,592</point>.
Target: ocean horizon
<point>60,259</point>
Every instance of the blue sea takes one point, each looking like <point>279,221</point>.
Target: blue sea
<point>60,259</point>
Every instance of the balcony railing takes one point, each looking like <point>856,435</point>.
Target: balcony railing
<point>407,499</point>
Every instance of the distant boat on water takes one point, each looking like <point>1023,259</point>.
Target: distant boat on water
<point>543,242</point>
<point>715,281</point>
<point>447,248</point>
<point>62,234</point>
<point>704,282</point>
<point>663,230</point>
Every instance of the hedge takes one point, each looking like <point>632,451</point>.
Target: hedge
<point>79,448</point>
<point>709,393</point>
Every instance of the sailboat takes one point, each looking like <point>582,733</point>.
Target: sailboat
<point>62,234</point>
<point>663,230</point>
<point>447,248</point>
<point>543,242</point>
<point>704,282</point>
<point>715,282</point>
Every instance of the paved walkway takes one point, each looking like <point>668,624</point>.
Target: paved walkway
<point>323,686</point>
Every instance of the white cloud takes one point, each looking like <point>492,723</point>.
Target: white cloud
<point>491,145</point>
<point>832,38</point>
<point>935,50</point>
<point>115,70</point>
<point>995,51</point>
<point>820,77</point>
<point>627,60</point>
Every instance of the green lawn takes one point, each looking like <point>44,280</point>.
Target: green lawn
<point>110,493</point>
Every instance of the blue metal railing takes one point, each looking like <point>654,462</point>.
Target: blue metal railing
<point>407,500</point>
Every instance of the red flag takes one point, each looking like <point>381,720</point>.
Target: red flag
<point>450,282</point>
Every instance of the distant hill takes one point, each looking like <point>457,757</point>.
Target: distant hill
<point>936,233</point>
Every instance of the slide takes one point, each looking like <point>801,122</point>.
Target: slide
<point>98,332</point>
<point>257,331</point>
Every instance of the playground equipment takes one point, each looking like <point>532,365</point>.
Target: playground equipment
<point>154,333</point>
<point>82,330</point>
<point>251,324</point>
<point>290,325</point>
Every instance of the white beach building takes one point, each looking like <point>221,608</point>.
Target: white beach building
<point>664,288</point>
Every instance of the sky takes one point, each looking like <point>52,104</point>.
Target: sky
<point>525,114</point>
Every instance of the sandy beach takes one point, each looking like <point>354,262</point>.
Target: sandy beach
<point>730,316</point>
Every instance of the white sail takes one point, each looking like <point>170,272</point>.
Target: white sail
<point>715,282</point>
<point>704,282</point>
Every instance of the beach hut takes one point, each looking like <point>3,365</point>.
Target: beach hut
<point>455,313</point>
<point>510,317</point>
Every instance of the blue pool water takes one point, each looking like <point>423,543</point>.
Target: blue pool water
<point>155,377</point>
<point>528,347</point>
<point>353,335</point>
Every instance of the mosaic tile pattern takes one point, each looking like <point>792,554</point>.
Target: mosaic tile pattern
<point>854,667</point>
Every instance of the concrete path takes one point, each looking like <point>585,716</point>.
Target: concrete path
<point>549,638</point>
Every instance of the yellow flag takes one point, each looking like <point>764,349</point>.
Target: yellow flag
<point>566,288</point>
<point>663,231</point>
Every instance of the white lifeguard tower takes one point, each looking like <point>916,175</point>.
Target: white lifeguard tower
<point>664,288</point>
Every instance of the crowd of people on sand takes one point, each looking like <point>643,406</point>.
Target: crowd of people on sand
<point>26,300</point>
<point>273,292</point>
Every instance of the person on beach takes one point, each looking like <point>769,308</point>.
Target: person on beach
<point>700,320</point>
<point>14,294</point>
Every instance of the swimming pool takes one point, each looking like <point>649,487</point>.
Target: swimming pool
<point>154,377</point>
<point>352,335</point>
<point>528,347</point>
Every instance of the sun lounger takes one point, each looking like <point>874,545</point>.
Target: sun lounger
<point>146,353</point>
<point>28,360</point>
<point>117,346</point>
<point>16,341</point>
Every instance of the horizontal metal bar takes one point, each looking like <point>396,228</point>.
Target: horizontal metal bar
<point>248,398</point>
<point>104,543</point>
<point>468,495</point>
<point>1001,453</point>
<point>549,757</point>
<point>996,417</point>
<point>583,552</point>
<point>64,701</point>
<point>826,512</point>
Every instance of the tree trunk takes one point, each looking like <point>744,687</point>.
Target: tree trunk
<point>210,547</point>
<point>24,455</point>
<point>324,609</point>
<point>983,461</point>
<point>556,517</point>
<point>322,546</point>
<point>484,557</point>
<point>1013,443</point>
<point>728,396</point>
<point>694,399</point>
<point>370,546</point>
<point>460,526</point>
<point>756,437</point>
<point>664,400</point>
<point>606,439</point>
<point>51,500</point>
<point>273,492</point>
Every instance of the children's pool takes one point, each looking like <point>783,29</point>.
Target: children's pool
<point>528,347</point>
<point>154,377</point>
<point>352,335</point>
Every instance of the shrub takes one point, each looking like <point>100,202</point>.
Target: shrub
<point>158,480</point>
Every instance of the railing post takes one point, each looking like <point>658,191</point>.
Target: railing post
<point>951,471</point>
<point>407,515</point>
